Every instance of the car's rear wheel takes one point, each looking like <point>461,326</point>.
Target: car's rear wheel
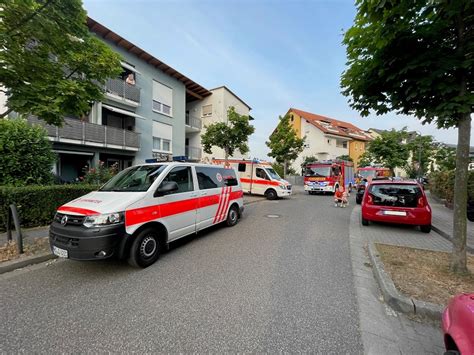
<point>271,194</point>
<point>365,222</point>
<point>232,216</point>
<point>426,229</point>
<point>145,249</point>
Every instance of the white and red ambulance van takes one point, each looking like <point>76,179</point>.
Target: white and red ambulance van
<point>138,212</point>
<point>258,178</point>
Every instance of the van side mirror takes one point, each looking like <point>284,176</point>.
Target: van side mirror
<point>231,182</point>
<point>165,188</point>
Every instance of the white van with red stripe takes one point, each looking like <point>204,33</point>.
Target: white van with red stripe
<point>258,178</point>
<point>143,208</point>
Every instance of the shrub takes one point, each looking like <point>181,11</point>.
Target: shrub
<point>37,204</point>
<point>99,175</point>
<point>26,155</point>
<point>442,185</point>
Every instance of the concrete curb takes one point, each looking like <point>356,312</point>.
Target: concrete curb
<point>11,265</point>
<point>448,237</point>
<point>394,298</point>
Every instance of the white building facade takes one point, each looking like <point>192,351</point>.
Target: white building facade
<point>210,109</point>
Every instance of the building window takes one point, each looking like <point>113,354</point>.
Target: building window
<point>162,137</point>
<point>292,118</point>
<point>162,98</point>
<point>329,141</point>
<point>341,144</point>
<point>207,110</point>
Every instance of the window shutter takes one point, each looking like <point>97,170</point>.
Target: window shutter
<point>207,110</point>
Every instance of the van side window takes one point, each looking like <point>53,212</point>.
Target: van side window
<point>209,178</point>
<point>261,174</point>
<point>242,167</point>
<point>230,179</point>
<point>183,177</point>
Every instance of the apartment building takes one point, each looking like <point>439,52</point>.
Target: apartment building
<point>211,109</point>
<point>143,116</point>
<point>327,138</point>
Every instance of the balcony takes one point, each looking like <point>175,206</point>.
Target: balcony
<point>193,153</point>
<point>118,90</point>
<point>193,124</point>
<point>78,132</point>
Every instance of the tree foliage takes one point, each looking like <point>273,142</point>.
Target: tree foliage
<point>345,157</point>
<point>308,159</point>
<point>26,155</point>
<point>231,135</point>
<point>388,149</point>
<point>422,155</point>
<point>445,157</point>
<point>366,159</point>
<point>415,57</point>
<point>284,144</point>
<point>51,64</point>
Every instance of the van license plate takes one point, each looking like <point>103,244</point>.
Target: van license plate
<point>395,213</point>
<point>59,252</point>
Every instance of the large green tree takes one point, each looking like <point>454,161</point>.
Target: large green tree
<point>284,144</point>
<point>26,154</point>
<point>389,149</point>
<point>445,157</point>
<point>230,136</point>
<point>51,64</point>
<point>415,57</point>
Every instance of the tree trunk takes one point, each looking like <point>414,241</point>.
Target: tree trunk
<point>458,257</point>
<point>284,169</point>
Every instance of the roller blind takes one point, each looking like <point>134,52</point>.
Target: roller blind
<point>162,94</point>
<point>162,130</point>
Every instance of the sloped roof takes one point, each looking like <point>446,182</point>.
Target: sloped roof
<point>332,126</point>
<point>193,89</point>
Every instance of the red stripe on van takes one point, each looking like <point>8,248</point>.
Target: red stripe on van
<point>221,202</point>
<point>150,213</point>
<point>78,210</point>
<point>260,182</point>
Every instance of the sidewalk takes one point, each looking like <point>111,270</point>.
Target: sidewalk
<point>442,221</point>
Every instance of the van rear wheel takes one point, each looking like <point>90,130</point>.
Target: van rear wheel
<point>145,249</point>
<point>232,216</point>
<point>271,194</point>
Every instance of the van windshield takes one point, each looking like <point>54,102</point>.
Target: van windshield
<point>137,178</point>
<point>273,174</point>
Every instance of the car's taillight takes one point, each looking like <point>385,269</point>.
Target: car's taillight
<point>421,202</point>
<point>370,200</point>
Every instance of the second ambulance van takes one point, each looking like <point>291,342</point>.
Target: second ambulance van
<point>143,208</point>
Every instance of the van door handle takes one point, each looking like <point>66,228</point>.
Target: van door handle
<point>204,193</point>
<point>194,195</point>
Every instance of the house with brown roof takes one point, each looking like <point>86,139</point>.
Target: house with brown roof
<point>327,138</point>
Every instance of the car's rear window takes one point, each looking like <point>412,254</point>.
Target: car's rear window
<point>395,195</point>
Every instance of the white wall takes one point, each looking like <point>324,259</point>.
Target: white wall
<point>318,143</point>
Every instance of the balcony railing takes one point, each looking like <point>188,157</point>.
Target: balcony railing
<point>193,153</point>
<point>193,122</point>
<point>120,88</point>
<point>79,132</point>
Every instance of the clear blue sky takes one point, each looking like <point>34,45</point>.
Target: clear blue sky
<point>274,54</point>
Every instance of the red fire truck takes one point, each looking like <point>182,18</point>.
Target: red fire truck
<point>373,171</point>
<point>327,176</point>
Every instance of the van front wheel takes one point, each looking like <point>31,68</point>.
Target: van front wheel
<point>145,248</point>
<point>271,194</point>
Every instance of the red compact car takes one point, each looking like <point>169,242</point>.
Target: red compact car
<point>402,202</point>
<point>458,325</point>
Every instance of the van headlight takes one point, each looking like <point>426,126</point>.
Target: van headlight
<point>103,219</point>
<point>282,186</point>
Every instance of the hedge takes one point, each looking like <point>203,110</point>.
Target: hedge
<point>442,185</point>
<point>37,204</point>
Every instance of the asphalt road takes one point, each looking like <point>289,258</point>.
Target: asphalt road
<point>266,285</point>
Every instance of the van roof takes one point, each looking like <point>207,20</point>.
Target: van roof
<point>182,163</point>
